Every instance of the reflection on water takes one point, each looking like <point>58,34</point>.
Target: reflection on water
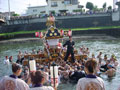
<point>107,47</point>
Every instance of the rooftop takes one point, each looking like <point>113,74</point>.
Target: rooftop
<point>37,6</point>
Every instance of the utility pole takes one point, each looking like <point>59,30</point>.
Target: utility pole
<point>9,10</point>
<point>0,4</point>
<point>29,4</point>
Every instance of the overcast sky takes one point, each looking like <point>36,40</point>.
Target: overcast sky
<point>20,6</point>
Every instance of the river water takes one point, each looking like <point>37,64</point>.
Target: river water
<point>108,47</point>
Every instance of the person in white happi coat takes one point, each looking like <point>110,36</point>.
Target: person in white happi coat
<point>90,82</point>
<point>37,80</point>
<point>12,82</point>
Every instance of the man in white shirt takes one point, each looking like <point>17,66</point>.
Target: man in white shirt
<point>6,61</point>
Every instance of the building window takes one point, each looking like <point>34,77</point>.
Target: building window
<point>67,2</point>
<point>34,10</point>
<point>74,2</point>
<point>54,4</point>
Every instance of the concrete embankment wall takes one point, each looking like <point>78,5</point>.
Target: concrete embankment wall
<point>109,32</point>
<point>22,27</point>
<point>76,22</point>
<point>66,22</point>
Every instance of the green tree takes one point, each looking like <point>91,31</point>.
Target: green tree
<point>89,5</point>
<point>104,5</point>
<point>109,7</point>
<point>15,14</point>
<point>95,8</point>
<point>53,12</point>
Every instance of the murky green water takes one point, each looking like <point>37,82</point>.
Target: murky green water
<point>107,47</point>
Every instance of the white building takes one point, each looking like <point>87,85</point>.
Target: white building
<point>56,6</point>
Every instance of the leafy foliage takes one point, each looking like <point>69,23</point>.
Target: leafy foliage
<point>109,7</point>
<point>89,5</point>
<point>95,8</point>
<point>104,5</point>
<point>15,14</point>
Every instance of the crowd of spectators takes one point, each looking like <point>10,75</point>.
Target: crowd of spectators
<point>59,14</point>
